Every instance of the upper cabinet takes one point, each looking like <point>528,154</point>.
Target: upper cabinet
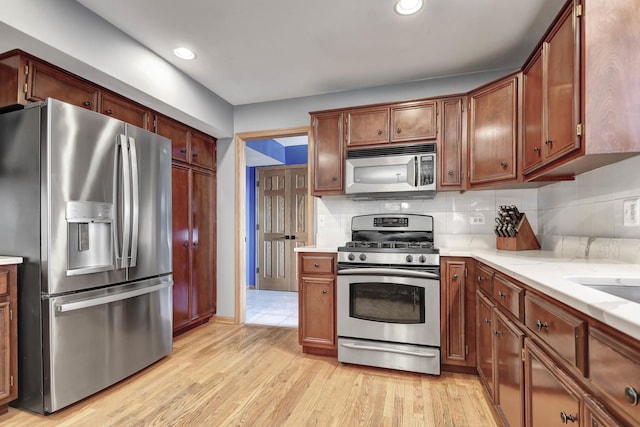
<point>552,95</point>
<point>187,145</point>
<point>452,144</point>
<point>125,110</point>
<point>327,161</point>
<point>408,121</point>
<point>493,132</point>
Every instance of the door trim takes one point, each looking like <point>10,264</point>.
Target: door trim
<point>240,141</point>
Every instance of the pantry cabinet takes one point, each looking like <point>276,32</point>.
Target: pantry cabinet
<point>317,331</point>
<point>494,133</point>
<point>457,313</point>
<point>8,336</point>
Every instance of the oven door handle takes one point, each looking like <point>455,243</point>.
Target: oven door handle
<point>388,350</point>
<point>389,272</point>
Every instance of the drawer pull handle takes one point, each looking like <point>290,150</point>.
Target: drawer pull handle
<point>541,325</point>
<point>631,395</point>
<point>316,265</point>
<point>501,294</point>
<point>379,131</point>
<point>109,111</point>
<point>503,164</point>
<point>567,417</point>
<point>496,332</point>
<point>487,321</point>
<point>399,130</point>
<point>480,278</point>
<point>537,149</point>
<point>87,103</point>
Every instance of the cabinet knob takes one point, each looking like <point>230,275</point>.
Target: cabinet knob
<point>548,142</point>
<point>109,111</point>
<point>541,325</point>
<point>324,291</point>
<point>567,417</point>
<point>398,130</point>
<point>631,395</point>
<point>455,276</point>
<point>501,294</point>
<point>503,164</point>
<point>195,244</point>
<point>537,149</point>
<point>87,103</point>
<point>183,150</point>
<point>334,178</point>
<point>487,321</point>
<point>480,278</point>
<point>496,332</point>
<point>194,155</point>
<point>379,131</point>
<point>316,265</point>
<point>450,172</point>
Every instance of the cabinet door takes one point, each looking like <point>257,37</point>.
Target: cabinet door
<point>451,146</point>
<point>203,150</point>
<point>484,341</point>
<point>178,134</point>
<point>317,307</point>
<point>509,385</point>
<point>533,114</point>
<point>44,81</point>
<point>596,416</point>
<point>125,110</point>
<point>5,346</point>
<point>203,240</point>
<point>412,122</point>
<point>180,187</point>
<point>457,314</point>
<point>368,126</point>
<point>493,132</point>
<point>552,399</point>
<point>562,88</point>
<point>328,154</point>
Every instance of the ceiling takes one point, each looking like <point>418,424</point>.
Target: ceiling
<point>255,51</point>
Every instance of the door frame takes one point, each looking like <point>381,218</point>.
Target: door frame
<point>240,141</point>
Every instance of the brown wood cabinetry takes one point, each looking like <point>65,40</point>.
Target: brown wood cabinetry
<point>8,336</point>
<point>367,126</point>
<point>457,313</point>
<point>178,134</point>
<point>327,148</point>
<point>484,341</point>
<point>493,132</point>
<point>508,295</point>
<point>552,95</point>
<point>452,145</point>
<point>552,398</point>
<point>317,331</point>
<point>414,121</point>
<point>595,415</point>
<point>125,110</point>
<point>508,369</point>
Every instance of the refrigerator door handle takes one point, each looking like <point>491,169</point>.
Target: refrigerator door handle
<point>126,197</point>
<point>136,202</point>
<point>116,199</point>
<point>79,305</point>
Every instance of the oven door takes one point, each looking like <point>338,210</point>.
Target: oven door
<point>389,305</point>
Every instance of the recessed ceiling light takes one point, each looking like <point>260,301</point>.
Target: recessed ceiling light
<point>184,53</point>
<point>408,7</point>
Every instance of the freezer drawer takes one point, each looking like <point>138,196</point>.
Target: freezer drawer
<point>100,337</point>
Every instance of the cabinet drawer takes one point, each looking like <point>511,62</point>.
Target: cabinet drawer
<point>614,368</point>
<point>564,333</point>
<point>317,264</point>
<point>4,281</point>
<point>484,279</point>
<point>507,294</point>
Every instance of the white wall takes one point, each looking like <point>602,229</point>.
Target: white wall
<point>591,205</point>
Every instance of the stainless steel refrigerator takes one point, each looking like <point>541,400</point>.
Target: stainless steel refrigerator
<point>85,199</point>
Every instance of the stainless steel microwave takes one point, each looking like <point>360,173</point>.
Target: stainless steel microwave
<point>391,172</point>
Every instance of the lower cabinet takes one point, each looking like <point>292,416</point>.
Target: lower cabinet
<point>194,288</point>
<point>8,336</point>
<point>508,370</point>
<point>317,331</point>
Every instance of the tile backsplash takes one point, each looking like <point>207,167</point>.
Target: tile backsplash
<point>590,206</point>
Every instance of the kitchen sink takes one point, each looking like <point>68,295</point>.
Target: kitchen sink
<point>623,287</point>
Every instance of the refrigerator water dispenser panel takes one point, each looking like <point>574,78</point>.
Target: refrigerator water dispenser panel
<point>89,237</point>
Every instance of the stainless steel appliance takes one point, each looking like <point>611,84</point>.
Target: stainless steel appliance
<point>388,295</point>
<point>393,171</point>
<point>87,202</point>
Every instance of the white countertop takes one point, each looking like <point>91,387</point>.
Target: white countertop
<point>6,260</point>
<point>332,249</point>
<point>546,272</point>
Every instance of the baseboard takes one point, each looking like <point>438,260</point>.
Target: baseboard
<point>224,320</point>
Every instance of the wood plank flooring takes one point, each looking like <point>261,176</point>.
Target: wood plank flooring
<point>228,375</point>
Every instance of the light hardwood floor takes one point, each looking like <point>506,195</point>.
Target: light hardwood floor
<point>226,375</point>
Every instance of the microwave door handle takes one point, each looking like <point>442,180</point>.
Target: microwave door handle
<point>415,171</point>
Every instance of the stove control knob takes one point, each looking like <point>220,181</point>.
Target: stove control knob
<point>409,258</point>
<point>422,259</point>
<point>363,257</point>
<point>351,257</point>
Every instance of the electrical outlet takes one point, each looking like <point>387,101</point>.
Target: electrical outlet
<point>476,220</point>
<point>631,209</point>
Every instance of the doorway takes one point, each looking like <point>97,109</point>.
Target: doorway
<point>276,212</point>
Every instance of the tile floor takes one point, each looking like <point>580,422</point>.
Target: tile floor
<point>273,308</point>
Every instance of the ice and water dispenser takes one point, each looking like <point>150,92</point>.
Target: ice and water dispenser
<point>89,237</point>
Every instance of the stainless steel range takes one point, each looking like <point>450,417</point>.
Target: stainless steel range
<point>388,297</point>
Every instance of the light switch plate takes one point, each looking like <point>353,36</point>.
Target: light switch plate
<point>631,208</point>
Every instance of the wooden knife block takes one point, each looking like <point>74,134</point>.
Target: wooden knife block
<point>524,240</point>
